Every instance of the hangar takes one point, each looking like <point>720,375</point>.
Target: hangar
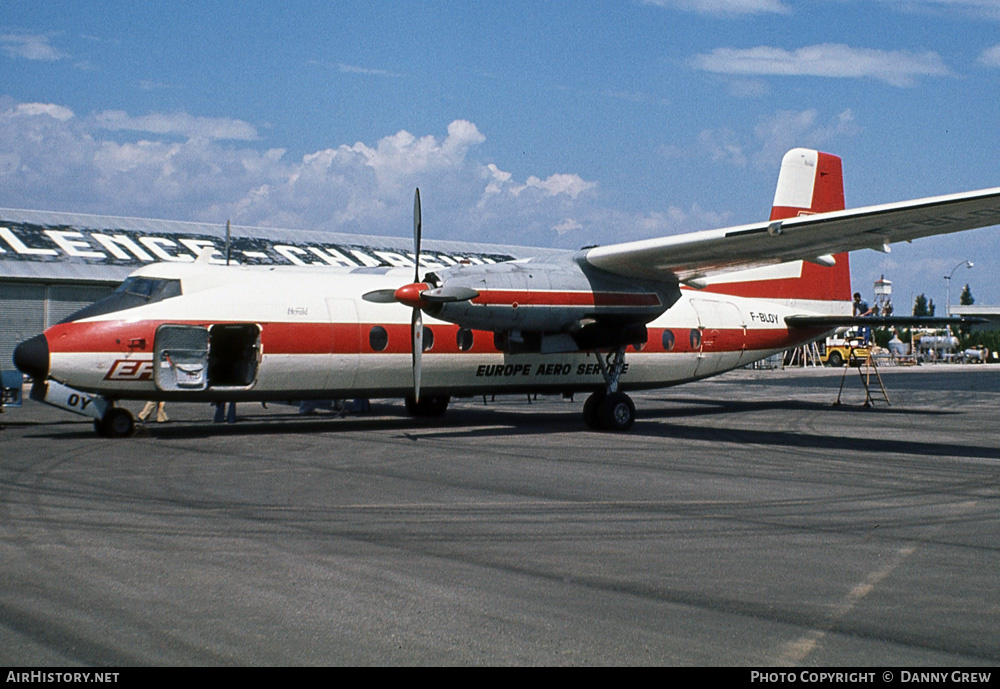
<point>52,264</point>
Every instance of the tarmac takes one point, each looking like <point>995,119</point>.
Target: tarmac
<point>743,521</point>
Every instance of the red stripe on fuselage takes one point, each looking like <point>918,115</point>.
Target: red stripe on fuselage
<point>138,336</point>
<point>351,338</point>
<point>550,298</point>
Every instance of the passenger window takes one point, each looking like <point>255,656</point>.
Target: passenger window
<point>428,339</point>
<point>464,339</point>
<point>378,338</point>
<point>668,340</point>
<point>695,339</point>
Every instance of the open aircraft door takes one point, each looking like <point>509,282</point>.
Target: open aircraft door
<point>723,335</point>
<point>180,356</point>
<point>194,357</point>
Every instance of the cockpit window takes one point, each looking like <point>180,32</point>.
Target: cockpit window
<point>151,289</point>
<point>135,291</point>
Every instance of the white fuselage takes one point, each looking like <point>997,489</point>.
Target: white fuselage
<point>319,339</point>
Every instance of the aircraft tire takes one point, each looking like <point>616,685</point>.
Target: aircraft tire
<point>616,412</point>
<point>429,405</point>
<point>116,423</point>
<point>590,410</point>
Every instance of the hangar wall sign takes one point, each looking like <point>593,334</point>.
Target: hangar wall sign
<point>124,247</point>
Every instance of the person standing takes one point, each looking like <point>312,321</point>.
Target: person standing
<point>161,414</point>
<point>862,310</point>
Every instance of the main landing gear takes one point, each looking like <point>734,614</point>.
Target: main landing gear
<point>609,409</point>
<point>429,405</point>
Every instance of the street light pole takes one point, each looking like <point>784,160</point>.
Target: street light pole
<point>947,285</point>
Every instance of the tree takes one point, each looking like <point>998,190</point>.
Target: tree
<point>920,306</point>
<point>966,299</point>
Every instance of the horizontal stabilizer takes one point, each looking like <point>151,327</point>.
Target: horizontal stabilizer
<point>878,321</point>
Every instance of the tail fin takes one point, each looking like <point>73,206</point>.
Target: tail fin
<point>809,182</point>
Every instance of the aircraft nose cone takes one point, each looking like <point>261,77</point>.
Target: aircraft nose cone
<point>32,357</point>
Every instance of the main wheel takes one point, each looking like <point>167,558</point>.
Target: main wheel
<point>590,410</point>
<point>429,405</point>
<point>116,423</point>
<point>616,412</point>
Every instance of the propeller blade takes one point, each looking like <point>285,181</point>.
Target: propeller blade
<point>417,231</point>
<point>448,294</point>
<point>417,331</point>
<point>380,296</point>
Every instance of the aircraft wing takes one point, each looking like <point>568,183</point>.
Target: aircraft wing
<point>690,257</point>
<point>880,321</point>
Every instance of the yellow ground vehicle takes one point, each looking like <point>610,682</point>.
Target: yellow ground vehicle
<point>845,347</point>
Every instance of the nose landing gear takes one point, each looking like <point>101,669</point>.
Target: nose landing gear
<point>117,422</point>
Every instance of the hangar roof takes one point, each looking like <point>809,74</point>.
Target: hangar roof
<point>53,246</point>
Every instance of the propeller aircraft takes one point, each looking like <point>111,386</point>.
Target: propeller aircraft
<point>602,320</point>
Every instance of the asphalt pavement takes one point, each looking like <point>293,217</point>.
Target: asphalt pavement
<point>744,520</point>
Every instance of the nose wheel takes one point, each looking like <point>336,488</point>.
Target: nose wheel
<point>609,409</point>
<point>117,422</point>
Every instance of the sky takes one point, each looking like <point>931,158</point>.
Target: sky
<point>556,124</point>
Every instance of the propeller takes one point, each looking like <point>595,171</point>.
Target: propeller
<point>417,319</point>
<point>419,295</point>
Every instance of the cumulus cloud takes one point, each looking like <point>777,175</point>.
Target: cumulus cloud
<point>184,167</point>
<point>725,7</point>
<point>30,47</point>
<point>52,110</point>
<point>571,185</point>
<point>898,67</point>
<point>567,225</point>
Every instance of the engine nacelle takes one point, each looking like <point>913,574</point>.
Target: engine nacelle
<point>548,296</point>
<point>589,337</point>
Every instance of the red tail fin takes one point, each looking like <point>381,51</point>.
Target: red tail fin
<point>809,182</point>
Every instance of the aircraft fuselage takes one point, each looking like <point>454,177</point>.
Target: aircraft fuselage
<point>239,333</point>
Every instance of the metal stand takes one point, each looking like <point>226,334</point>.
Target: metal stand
<point>806,355</point>
<point>866,375</point>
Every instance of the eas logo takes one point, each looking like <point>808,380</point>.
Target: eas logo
<point>125,369</point>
